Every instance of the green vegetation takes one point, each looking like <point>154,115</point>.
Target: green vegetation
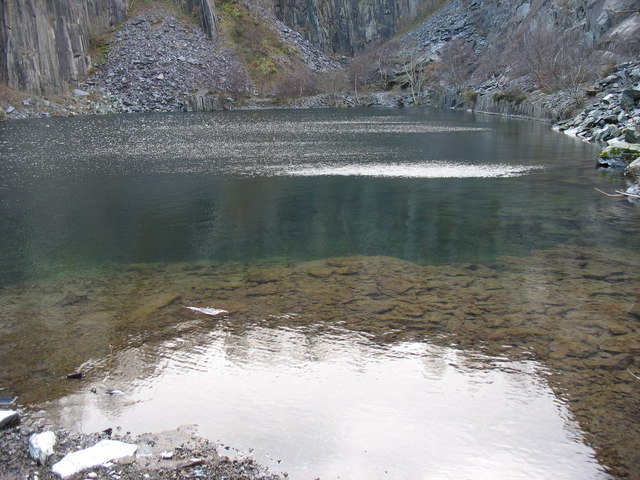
<point>512,96</point>
<point>519,99</point>
<point>469,95</point>
<point>99,47</point>
<point>268,61</point>
<point>626,154</point>
<point>609,69</point>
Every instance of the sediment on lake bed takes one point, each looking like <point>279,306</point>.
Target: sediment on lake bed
<point>573,309</point>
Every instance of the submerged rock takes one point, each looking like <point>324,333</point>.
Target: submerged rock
<point>214,312</point>
<point>617,362</point>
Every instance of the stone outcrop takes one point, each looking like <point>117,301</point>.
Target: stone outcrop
<point>46,42</point>
<point>613,114</point>
<point>609,26</point>
<point>205,10</point>
<point>203,102</point>
<point>347,25</point>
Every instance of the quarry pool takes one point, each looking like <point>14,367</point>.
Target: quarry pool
<point>406,293</point>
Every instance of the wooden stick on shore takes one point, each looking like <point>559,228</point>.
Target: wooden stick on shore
<point>619,193</point>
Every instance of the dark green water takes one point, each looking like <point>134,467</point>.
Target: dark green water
<point>81,192</point>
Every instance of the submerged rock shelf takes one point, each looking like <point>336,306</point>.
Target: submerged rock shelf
<point>574,310</point>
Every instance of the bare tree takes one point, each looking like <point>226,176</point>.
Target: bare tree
<point>419,74</point>
<point>386,59</point>
<point>556,60</point>
<point>297,82</point>
<point>458,60</point>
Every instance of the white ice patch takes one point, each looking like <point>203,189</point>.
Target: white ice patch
<point>208,310</point>
<point>102,452</point>
<point>408,170</point>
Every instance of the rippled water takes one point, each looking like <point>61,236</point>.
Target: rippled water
<point>341,406</point>
<point>246,186</point>
<point>408,294</point>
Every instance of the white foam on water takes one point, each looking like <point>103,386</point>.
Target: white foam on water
<point>407,170</point>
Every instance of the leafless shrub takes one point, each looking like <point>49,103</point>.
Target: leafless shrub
<point>334,81</point>
<point>420,75</point>
<point>386,60</point>
<point>360,71</point>
<point>237,80</point>
<point>458,61</point>
<point>298,82</point>
<point>556,60</point>
<point>374,65</point>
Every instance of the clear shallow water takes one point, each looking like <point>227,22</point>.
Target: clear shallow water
<point>341,406</point>
<point>110,226</point>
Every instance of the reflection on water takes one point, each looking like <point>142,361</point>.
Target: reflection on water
<point>412,170</point>
<point>339,406</point>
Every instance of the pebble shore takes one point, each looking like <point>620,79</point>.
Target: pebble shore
<point>174,455</point>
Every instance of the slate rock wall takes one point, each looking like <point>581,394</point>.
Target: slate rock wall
<point>347,25</point>
<point>44,44</point>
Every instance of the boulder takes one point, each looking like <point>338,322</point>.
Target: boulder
<point>632,135</point>
<point>102,452</point>
<point>9,418</point>
<point>611,163</point>
<point>634,170</point>
<point>41,446</point>
<point>633,93</point>
<point>617,158</point>
<point>606,132</point>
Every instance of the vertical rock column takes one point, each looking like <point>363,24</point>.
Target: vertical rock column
<point>346,25</point>
<point>206,10</point>
<point>209,19</point>
<point>45,42</point>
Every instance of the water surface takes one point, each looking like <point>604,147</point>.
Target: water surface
<point>410,293</point>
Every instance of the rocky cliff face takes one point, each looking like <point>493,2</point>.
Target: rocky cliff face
<point>45,42</point>
<point>609,27</point>
<point>205,10</point>
<point>347,25</point>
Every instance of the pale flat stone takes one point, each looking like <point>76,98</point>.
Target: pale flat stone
<point>102,452</point>
<point>208,310</point>
<point>41,446</point>
<point>9,418</point>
